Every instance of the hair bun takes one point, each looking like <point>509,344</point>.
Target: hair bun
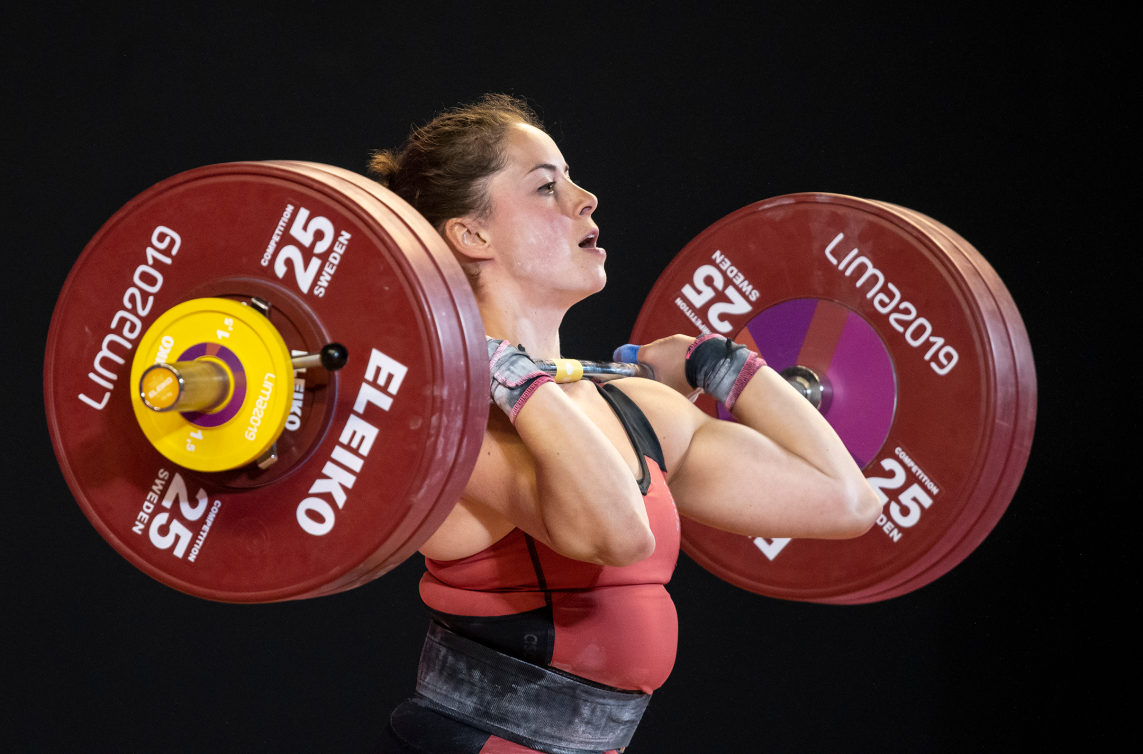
<point>384,166</point>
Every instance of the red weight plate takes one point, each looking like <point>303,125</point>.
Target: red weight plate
<point>936,561</point>
<point>1023,415</point>
<point>466,310</point>
<point>847,282</point>
<point>381,449</point>
<point>469,336</point>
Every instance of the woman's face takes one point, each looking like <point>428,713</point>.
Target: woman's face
<point>540,229</point>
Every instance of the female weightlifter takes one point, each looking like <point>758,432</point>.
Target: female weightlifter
<point>550,622</point>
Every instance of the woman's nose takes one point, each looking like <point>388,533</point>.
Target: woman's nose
<point>587,203</point>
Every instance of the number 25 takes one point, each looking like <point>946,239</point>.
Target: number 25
<point>305,233</point>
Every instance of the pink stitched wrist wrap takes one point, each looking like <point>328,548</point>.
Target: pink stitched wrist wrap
<point>514,377</point>
<point>721,367</point>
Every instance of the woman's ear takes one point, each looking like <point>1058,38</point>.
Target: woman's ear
<point>467,238</point>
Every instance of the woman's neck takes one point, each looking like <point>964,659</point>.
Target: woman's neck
<point>530,324</point>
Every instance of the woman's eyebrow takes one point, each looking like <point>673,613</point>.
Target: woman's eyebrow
<point>545,166</point>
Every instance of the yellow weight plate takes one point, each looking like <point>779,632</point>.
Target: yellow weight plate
<point>244,426</point>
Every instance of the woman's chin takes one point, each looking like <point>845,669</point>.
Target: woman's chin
<point>596,285</point>
<point>570,296</point>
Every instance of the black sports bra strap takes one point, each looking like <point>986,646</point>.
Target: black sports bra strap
<point>639,430</point>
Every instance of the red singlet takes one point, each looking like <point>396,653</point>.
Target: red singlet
<point>615,626</point>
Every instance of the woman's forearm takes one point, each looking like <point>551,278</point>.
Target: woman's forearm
<point>588,500</point>
<point>771,407</point>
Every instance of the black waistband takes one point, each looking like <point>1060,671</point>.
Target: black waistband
<point>522,702</point>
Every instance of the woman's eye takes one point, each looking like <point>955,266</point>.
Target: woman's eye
<point>548,188</point>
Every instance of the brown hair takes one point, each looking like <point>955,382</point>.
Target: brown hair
<point>444,166</point>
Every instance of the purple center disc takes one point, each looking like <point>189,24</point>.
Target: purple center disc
<point>847,355</point>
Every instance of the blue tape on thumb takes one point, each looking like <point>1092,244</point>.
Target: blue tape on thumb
<point>628,353</point>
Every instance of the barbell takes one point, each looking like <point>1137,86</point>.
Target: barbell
<point>196,413</point>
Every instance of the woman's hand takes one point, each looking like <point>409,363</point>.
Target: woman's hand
<point>514,377</point>
<point>668,357</point>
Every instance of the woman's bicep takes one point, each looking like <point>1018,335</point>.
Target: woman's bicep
<point>729,476</point>
<point>736,479</point>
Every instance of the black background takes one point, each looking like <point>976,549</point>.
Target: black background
<point>1007,126</point>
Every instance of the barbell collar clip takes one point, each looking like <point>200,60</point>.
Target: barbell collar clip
<point>261,305</point>
<point>332,356</point>
<point>269,458</point>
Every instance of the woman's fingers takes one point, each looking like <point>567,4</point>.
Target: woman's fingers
<point>667,356</point>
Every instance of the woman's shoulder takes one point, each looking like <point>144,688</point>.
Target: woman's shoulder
<point>673,417</point>
<point>656,398</point>
<point>475,522</point>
